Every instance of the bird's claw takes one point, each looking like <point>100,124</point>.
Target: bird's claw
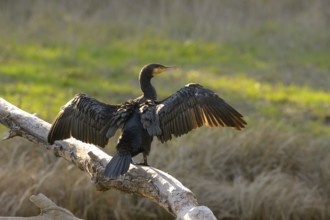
<point>142,164</point>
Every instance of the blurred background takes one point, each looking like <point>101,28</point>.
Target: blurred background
<point>268,59</point>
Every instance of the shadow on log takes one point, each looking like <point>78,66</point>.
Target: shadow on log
<point>149,182</point>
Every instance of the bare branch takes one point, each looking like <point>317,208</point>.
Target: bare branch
<point>148,182</point>
<point>49,210</point>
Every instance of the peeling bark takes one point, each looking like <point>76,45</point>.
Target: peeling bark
<point>147,182</point>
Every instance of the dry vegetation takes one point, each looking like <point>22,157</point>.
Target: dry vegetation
<point>250,175</point>
<point>270,59</point>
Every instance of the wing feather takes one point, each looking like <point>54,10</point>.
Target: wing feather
<point>191,107</point>
<point>83,118</point>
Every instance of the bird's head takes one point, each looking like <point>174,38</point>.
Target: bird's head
<point>152,70</point>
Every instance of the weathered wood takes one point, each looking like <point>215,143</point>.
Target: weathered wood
<point>149,182</point>
<point>48,209</point>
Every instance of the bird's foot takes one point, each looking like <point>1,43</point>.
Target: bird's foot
<point>142,164</point>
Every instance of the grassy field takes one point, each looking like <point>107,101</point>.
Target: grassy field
<point>270,60</point>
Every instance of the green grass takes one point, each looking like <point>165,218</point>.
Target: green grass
<point>39,75</point>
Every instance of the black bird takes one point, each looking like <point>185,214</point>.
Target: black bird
<point>92,121</point>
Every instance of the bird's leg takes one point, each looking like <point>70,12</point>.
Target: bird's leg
<point>145,161</point>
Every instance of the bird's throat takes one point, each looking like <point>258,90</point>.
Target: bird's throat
<point>149,92</point>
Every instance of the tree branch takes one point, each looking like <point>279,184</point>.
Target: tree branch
<point>48,210</point>
<point>148,182</point>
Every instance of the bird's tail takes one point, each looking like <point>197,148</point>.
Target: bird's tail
<point>118,165</point>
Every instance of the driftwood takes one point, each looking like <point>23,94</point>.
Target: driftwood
<point>148,182</point>
<point>48,209</point>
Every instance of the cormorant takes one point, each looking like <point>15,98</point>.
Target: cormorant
<point>92,121</point>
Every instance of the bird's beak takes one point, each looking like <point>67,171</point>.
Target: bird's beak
<point>167,68</point>
<point>160,70</point>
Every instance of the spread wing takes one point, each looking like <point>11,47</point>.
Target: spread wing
<point>191,107</point>
<point>84,118</point>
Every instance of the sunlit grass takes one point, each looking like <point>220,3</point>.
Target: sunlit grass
<point>256,90</point>
<point>277,92</point>
<point>38,75</point>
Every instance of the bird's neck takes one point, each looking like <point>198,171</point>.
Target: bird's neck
<point>149,92</point>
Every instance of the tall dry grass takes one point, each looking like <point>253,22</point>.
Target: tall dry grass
<point>27,169</point>
<point>102,20</point>
<point>260,173</point>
